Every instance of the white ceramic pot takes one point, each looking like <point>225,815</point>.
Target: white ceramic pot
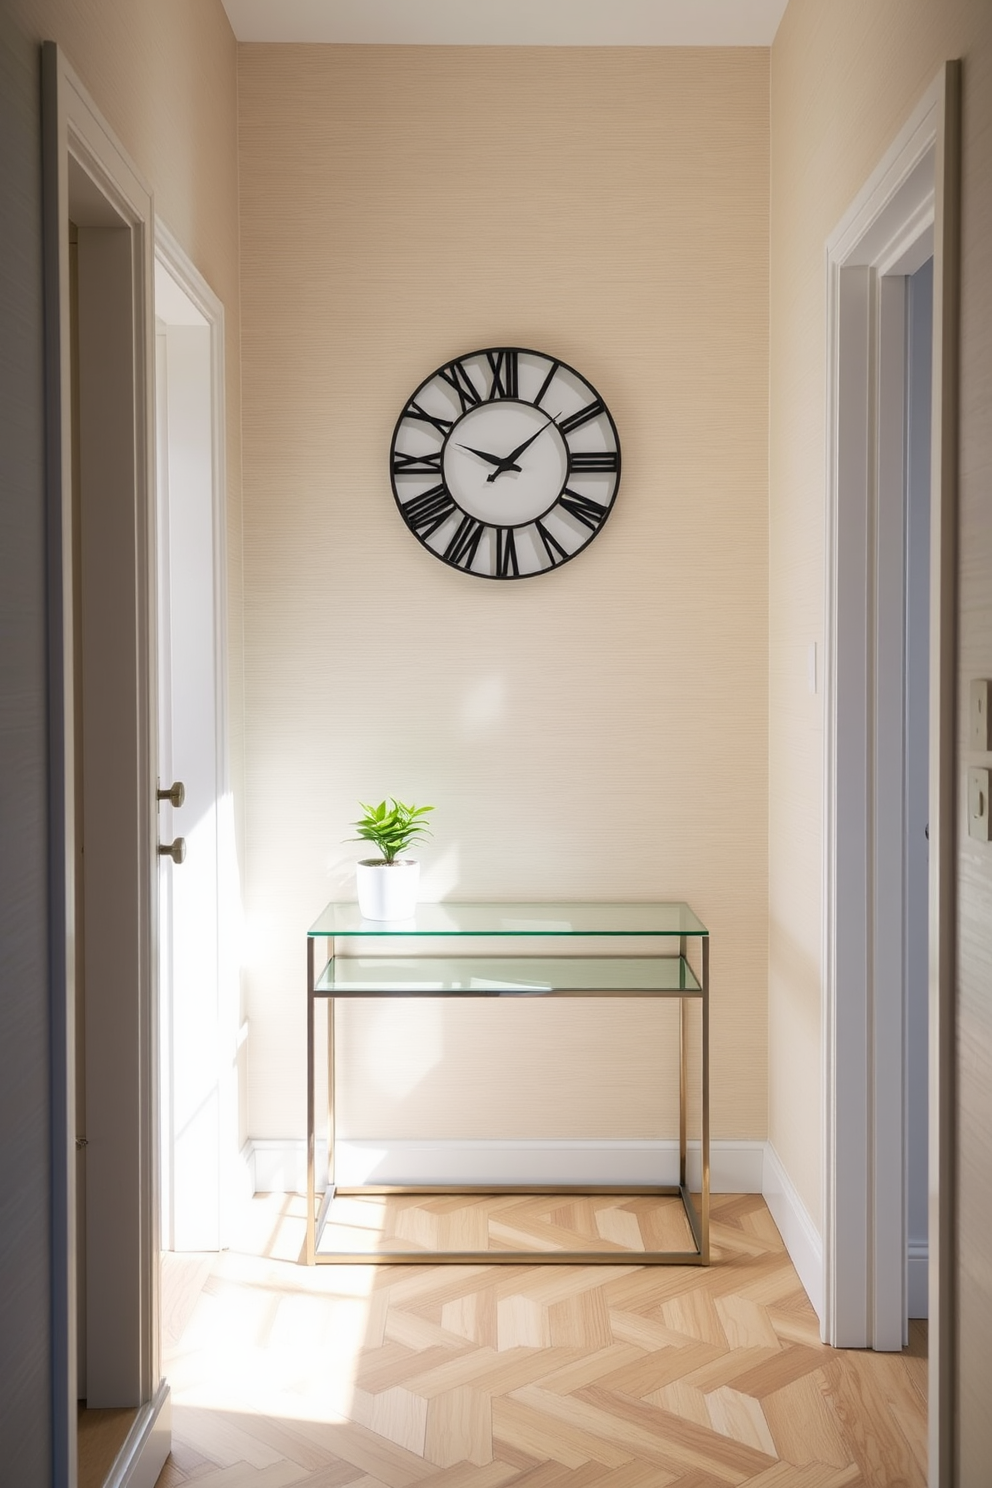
<point>387,891</point>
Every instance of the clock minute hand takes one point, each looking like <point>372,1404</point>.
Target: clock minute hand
<point>515,454</point>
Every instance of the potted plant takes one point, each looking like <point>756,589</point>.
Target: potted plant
<point>387,886</point>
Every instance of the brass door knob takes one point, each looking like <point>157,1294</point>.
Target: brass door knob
<point>174,850</point>
<point>176,793</point>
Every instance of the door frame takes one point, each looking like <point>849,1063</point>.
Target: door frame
<point>910,202</point>
<point>86,167</point>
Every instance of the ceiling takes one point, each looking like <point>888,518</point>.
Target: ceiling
<point>510,22</point>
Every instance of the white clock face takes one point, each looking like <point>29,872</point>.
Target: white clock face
<point>505,463</point>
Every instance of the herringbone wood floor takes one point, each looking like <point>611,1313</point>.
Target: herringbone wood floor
<point>526,1376</point>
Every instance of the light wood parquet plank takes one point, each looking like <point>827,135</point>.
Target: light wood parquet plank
<point>581,1321</point>
<point>779,1368</point>
<point>244,1475</point>
<point>682,1441</point>
<point>338,1474</point>
<point>357,1444</point>
<point>493,1474</point>
<point>621,1228</point>
<point>533,1430</point>
<point>660,1368</point>
<point>417,1332</point>
<point>648,1333</point>
<point>521,1322</point>
<point>487,1369</point>
<point>656,1436</point>
<point>727,1369</point>
<point>684,1400</point>
<point>600,1364</point>
<point>796,1327</point>
<point>876,1443</point>
<point>401,1417</point>
<point>741,1418</point>
<point>633,1474</point>
<point>459,1427</point>
<point>813,1475</point>
<point>532,1376</point>
<point>472,1317</point>
<point>745,1324</point>
<point>802,1422</point>
<point>279,1437</point>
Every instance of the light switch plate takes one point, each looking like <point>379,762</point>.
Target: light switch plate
<point>980,732</point>
<point>978,804</point>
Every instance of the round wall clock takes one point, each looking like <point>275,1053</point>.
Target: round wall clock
<point>505,463</point>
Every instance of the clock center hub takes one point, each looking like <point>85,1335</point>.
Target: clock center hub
<point>506,462</point>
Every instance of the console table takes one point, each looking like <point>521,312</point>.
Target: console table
<point>439,967</point>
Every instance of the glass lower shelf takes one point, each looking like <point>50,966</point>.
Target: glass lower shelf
<point>509,976</point>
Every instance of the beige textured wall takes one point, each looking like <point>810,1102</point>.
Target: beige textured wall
<point>164,77</point>
<point>844,77</point>
<point>599,731</point>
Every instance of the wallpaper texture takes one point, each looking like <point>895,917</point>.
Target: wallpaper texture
<point>597,732</point>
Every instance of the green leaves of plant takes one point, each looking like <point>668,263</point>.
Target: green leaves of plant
<point>393,828</point>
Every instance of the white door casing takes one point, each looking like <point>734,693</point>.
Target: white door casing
<point>907,210</point>
<point>89,178</point>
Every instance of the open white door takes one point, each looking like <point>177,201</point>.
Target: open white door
<point>198,1005</point>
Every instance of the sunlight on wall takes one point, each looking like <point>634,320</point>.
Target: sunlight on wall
<point>483,705</point>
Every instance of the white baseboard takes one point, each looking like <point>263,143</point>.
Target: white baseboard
<point>918,1279</point>
<point>141,1459</point>
<point>280,1166</point>
<point>799,1234</point>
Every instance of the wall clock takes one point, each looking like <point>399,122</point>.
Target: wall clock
<point>505,463</point>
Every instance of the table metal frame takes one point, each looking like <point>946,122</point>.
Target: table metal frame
<point>698,1218</point>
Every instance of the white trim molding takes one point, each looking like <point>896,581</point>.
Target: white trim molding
<point>279,1166</point>
<point>89,179</point>
<point>907,209</point>
<point>799,1234</point>
<point>918,1278</point>
<point>140,1461</point>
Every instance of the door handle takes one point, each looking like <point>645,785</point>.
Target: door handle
<point>176,794</point>
<point>174,850</point>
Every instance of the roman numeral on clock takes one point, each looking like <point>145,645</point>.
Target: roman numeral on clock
<point>416,464</point>
<point>576,420</point>
<point>506,554</point>
<point>457,377</point>
<point>547,382</point>
<point>429,511</point>
<point>413,410</point>
<point>584,462</point>
<point>503,366</point>
<point>462,548</point>
<point>590,513</point>
<point>556,553</point>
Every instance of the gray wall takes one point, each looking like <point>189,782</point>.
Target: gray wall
<point>25,1162</point>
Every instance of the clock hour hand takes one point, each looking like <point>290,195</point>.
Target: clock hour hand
<point>500,461</point>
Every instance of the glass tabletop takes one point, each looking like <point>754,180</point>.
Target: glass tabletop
<point>554,919</point>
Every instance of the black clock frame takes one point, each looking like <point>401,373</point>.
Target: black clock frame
<point>435,505</point>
